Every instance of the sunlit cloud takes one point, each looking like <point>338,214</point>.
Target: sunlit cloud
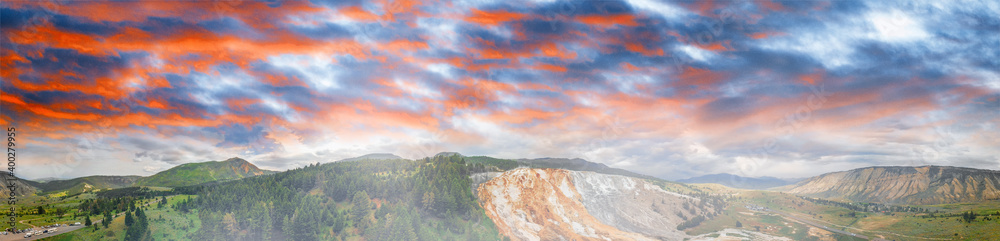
<point>670,89</point>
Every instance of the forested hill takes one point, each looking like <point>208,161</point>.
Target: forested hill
<point>373,156</point>
<point>426,199</point>
<point>574,164</point>
<point>202,172</point>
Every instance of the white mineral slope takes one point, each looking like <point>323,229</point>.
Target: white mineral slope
<point>634,205</point>
<point>556,204</point>
<point>543,204</point>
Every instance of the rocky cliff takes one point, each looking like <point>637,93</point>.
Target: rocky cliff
<point>904,185</point>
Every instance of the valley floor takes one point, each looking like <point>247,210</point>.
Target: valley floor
<point>799,218</point>
<point>461,201</point>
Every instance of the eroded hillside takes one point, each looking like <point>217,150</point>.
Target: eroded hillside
<point>21,187</point>
<point>541,204</point>
<point>905,185</point>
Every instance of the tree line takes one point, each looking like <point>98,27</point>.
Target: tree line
<point>426,199</point>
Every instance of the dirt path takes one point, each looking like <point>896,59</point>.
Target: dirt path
<point>29,224</point>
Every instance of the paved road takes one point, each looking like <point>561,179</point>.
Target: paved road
<point>20,236</point>
<point>849,234</point>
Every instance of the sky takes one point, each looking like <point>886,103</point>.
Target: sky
<point>672,89</point>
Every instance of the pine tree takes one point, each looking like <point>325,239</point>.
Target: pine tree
<point>86,221</point>
<point>128,218</point>
<point>969,216</point>
<point>265,224</point>
<point>362,207</point>
<point>107,219</point>
<point>288,227</point>
<point>139,230</point>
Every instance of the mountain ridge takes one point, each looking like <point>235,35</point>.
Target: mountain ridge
<point>372,156</point>
<point>736,181</point>
<point>579,164</point>
<point>903,185</point>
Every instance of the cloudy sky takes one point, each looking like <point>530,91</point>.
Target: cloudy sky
<point>669,89</point>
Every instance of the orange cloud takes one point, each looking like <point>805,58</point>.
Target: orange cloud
<point>703,8</point>
<point>639,48</point>
<point>46,34</point>
<point>43,111</point>
<point>550,49</point>
<point>629,67</point>
<point>701,78</point>
<point>770,5</point>
<point>606,21</point>
<point>549,67</point>
<point>717,46</point>
<point>239,104</point>
<point>103,86</point>
<point>811,79</point>
<point>493,18</point>
<point>12,99</point>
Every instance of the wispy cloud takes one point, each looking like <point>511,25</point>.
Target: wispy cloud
<point>671,89</point>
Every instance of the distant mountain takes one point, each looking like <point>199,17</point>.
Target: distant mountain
<point>202,172</point>
<point>904,185</point>
<point>735,181</point>
<point>85,184</point>
<point>572,164</point>
<point>577,164</point>
<point>447,153</point>
<point>47,179</point>
<point>373,156</point>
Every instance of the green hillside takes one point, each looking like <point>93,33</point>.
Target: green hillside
<point>202,172</point>
<point>84,184</point>
<point>427,199</point>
